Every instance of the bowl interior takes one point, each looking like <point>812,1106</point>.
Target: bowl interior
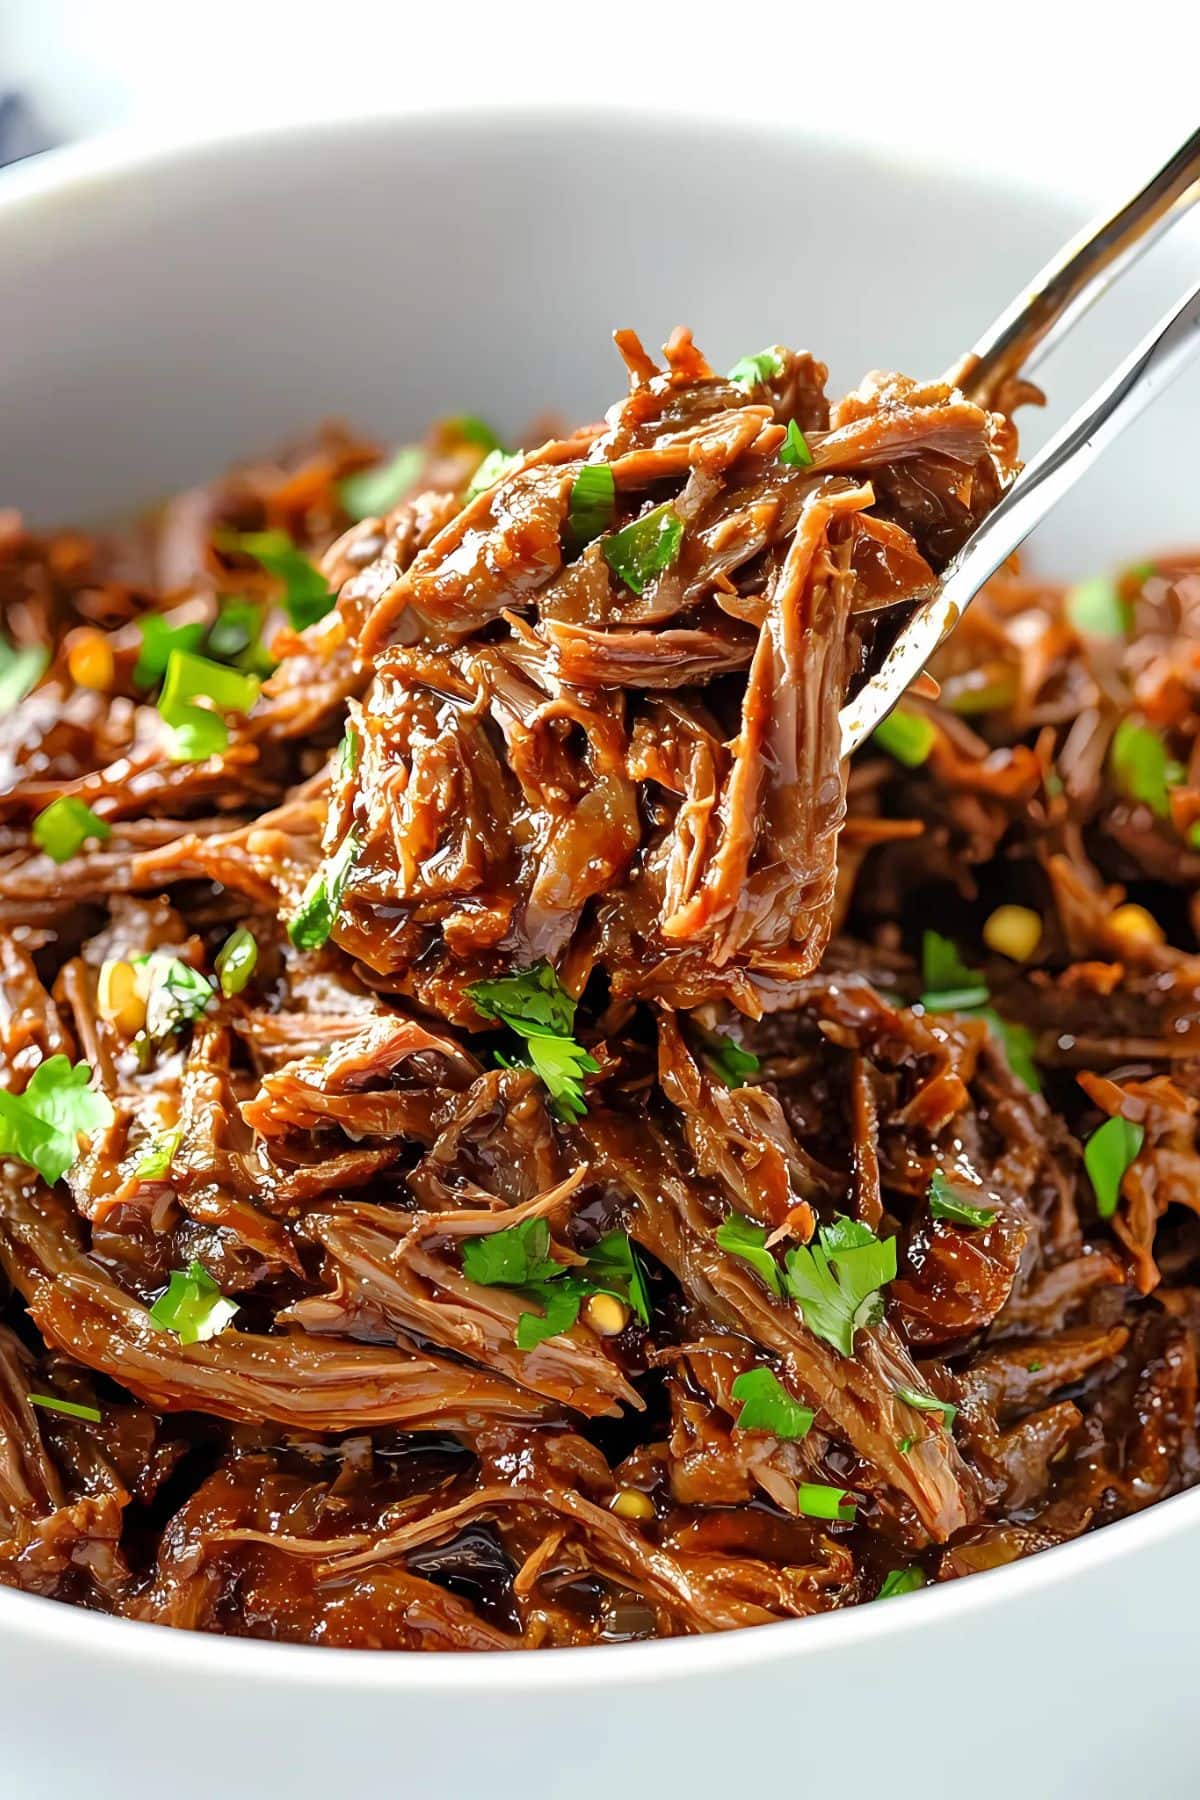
<point>165,313</point>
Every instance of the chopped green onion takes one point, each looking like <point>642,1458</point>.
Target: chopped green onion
<point>176,994</point>
<point>837,1282</point>
<point>900,1581</point>
<point>63,827</point>
<point>70,1408</point>
<point>1096,609</point>
<point>158,1155</point>
<point>755,371</point>
<point>592,503</point>
<point>474,431</point>
<point>371,493</point>
<point>741,1237</point>
<point>727,1060</point>
<point>949,985</point>
<point>42,1126</point>
<point>496,466</point>
<point>928,1403</point>
<point>236,637</point>
<point>20,670</point>
<point>1035,1367</point>
<point>794,452</point>
<point>644,549</point>
<point>1109,1152</point>
<point>535,1005</point>
<point>816,1500</point>
<point>198,732</point>
<point>1140,766</point>
<point>159,639</point>
<point>321,902</point>
<point>306,593</point>
<point>945,1202</point>
<point>907,735</point>
<point>348,752</point>
<point>236,961</point>
<point>192,1306</point>
<point>905,1444</point>
<point>767,1405</point>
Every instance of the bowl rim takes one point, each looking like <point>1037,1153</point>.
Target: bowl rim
<point>119,158</point>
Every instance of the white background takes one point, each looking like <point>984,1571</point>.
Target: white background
<point>1080,96</point>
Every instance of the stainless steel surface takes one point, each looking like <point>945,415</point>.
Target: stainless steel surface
<point>1020,337</point>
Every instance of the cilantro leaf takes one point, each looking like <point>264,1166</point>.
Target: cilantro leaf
<point>158,1155</point>
<point>370,493</point>
<point>593,500</point>
<point>741,1237</point>
<point>901,1581</point>
<point>192,1306</point>
<point>642,550</point>
<point>754,371</point>
<point>321,902</point>
<point>945,1202</point>
<point>71,1409</point>
<point>613,1268</point>
<point>20,670</point>
<point>198,731</point>
<point>236,961</point>
<point>535,1005</point>
<point>512,1257</point>
<point>562,1064</point>
<point>907,735</point>
<point>729,1061</point>
<point>924,1402</point>
<point>159,639</point>
<point>560,1302</point>
<point>494,468</point>
<point>1110,1151</point>
<point>62,828</point>
<point>306,593</point>
<point>816,1500</point>
<point>794,452</point>
<point>42,1126</point>
<point>951,987</point>
<point>837,1281</point>
<point>767,1405</point>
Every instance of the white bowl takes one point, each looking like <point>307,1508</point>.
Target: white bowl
<point>165,309</point>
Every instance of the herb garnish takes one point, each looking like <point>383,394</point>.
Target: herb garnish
<point>235,637</point>
<point>192,1306</point>
<point>321,902</point>
<point>1111,1150</point>
<point>741,1237</point>
<point>1141,767</point>
<point>767,1405</point>
<point>951,987</point>
<point>63,827</point>
<point>495,467</point>
<point>41,1127</point>
<point>946,1202</point>
<point>512,1257</point>
<point>928,1403</point>
<point>794,452</point>
<point>198,731</point>
<point>816,1500</point>
<point>900,1581</point>
<point>907,735</point>
<point>306,593</point>
<point>534,1004</point>
<point>236,961</point>
<point>592,503</point>
<point>642,550</point>
<point>70,1408</point>
<point>176,994</point>
<point>1096,609</point>
<point>159,639</point>
<point>20,670</point>
<point>370,493</point>
<point>729,1061</point>
<point>754,371</point>
<point>837,1282</point>
<point>519,1257</point>
<point>159,1154</point>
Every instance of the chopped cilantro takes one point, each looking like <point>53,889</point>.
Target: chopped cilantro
<point>192,1306</point>
<point>729,1061</point>
<point>613,1268</point>
<point>741,1237</point>
<point>816,1500</point>
<point>593,499</point>
<point>176,994</point>
<point>907,735</point>
<point>159,1154</point>
<point>928,1403</point>
<point>767,1405</point>
<point>496,466</point>
<point>370,493</point>
<point>900,1581</point>
<point>755,371</point>
<point>71,1409</point>
<point>1096,609</point>
<point>1141,768</point>
<point>321,902</point>
<point>1035,1367</point>
<point>1109,1152</point>
<point>560,1302</point>
<point>837,1282</point>
<point>905,1444</point>
<point>518,1257</point>
<point>512,1257</point>
<point>951,987</point>
<point>306,593</point>
<point>236,961</point>
<point>63,827</point>
<point>41,1127</point>
<point>159,639</point>
<point>640,551</point>
<point>945,1202</point>
<point>198,731</point>
<point>535,1005</point>
<point>794,452</point>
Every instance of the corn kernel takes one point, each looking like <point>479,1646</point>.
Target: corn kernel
<point>118,998</point>
<point>605,1314</point>
<point>90,660</point>
<point>1135,922</point>
<point>631,1503</point>
<point>1014,931</point>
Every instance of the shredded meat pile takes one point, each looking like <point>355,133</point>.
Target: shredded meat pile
<point>565,1160</point>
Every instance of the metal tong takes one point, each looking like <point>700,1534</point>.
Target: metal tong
<point>1025,332</point>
